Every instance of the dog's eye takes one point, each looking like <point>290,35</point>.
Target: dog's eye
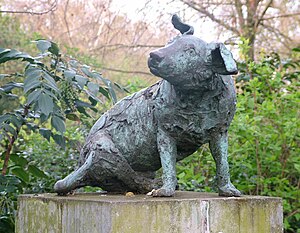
<point>190,50</point>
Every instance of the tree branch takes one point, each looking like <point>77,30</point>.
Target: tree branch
<point>277,32</point>
<point>263,13</point>
<point>202,10</point>
<point>126,46</point>
<point>281,16</point>
<point>238,7</point>
<point>52,8</point>
<point>126,71</point>
<point>66,21</point>
<point>7,155</point>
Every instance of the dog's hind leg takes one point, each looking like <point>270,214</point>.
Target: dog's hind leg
<point>110,165</point>
<point>218,146</point>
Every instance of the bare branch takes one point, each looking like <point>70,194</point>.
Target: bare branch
<point>52,8</point>
<point>119,46</point>
<point>277,32</point>
<point>126,71</point>
<point>238,8</point>
<point>202,10</point>
<point>263,13</point>
<point>66,21</point>
<point>281,16</point>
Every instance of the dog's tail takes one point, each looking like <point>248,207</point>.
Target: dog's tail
<point>76,179</point>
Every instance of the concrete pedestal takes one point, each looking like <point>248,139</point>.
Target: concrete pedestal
<point>187,212</point>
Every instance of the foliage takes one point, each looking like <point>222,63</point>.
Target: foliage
<point>33,156</point>
<point>51,89</point>
<point>264,138</point>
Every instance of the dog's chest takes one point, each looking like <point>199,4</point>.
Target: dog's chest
<point>192,119</point>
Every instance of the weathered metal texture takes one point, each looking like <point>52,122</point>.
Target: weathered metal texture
<point>155,127</point>
<point>187,212</point>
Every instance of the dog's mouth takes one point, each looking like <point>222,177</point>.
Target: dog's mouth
<point>153,66</point>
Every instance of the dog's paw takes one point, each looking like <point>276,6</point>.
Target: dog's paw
<point>229,191</point>
<point>162,192</point>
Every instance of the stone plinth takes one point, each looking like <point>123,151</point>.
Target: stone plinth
<point>187,212</point>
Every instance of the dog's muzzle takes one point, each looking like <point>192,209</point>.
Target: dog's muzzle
<point>153,62</point>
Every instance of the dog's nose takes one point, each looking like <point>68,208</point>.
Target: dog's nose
<point>156,56</point>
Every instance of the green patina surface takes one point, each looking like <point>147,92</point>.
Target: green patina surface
<point>186,212</point>
<point>192,105</point>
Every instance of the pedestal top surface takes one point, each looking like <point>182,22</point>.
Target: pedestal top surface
<point>119,198</point>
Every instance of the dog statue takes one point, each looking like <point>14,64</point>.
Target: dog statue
<point>194,104</point>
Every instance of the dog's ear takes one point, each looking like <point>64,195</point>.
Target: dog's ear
<point>184,28</point>
<point>221,60</point>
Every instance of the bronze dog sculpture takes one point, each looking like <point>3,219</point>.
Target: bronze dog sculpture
<point>194,104</point>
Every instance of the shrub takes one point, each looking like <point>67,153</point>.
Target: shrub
<point>51,90</point>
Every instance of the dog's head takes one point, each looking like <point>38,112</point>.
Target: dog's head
<point>187,60</point>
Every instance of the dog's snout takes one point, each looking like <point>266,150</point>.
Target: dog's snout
<point>156,56</point>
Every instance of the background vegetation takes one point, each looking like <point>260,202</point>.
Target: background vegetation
<point>38,119</point>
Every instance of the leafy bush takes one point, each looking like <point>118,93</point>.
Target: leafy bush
<point>264,138</point>
<point>51,90</point>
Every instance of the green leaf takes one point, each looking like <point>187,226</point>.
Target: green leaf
<point>80,103</point>
<point>4,117</point>
<point>251,103</point>
<point>11,85</point>
<point>58,124</point>
<point>9,180</point>
<point>296,49</point>
<point>297,167</point>
<point>45,104</point>
<point>33,75</point>
<point>93,87</point>
<point>16,120</point>
<point>31,126</point>
<point>33,96</point>
<point>33,71</point>
<point>181,175</point>
<point>112,92</point>
<point>31,85</point>
<point>60,140</point>
<point>43,45</point>
<point>86,70</point>
<point>50,81</point>
<point>72,117</point>
<point>81,80</point>
<point>12,54</point>
<point>34,170</point>
<point>18,160</point>
<point>121,88</point>
<point>21,173</point>
<point>74,63</point>
<point>51,94</point>
<point>69,74</point>
<point>104,92</point>
<point>46,133</point>
<point>10,129</point>
<point>54,49</point>
<point>43,117</point>
<point>93,101</point>
<point>9,55</point>
<point>3,51</point>
<point>90,94</point>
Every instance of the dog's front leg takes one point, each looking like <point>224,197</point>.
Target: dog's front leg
<point>218,147</point>
<point>168,153</point>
